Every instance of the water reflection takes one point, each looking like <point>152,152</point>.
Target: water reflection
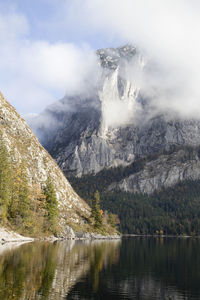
<point>76,259</point>
<point>136,268</point>
<point>49,270</point>
<point>27,271</point>
<point>148,268</point>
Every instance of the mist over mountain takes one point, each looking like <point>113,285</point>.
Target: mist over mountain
<point>115,122</point>
<point>141,156</point>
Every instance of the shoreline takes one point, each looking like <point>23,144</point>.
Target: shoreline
<point>160,236</point>
<point>82,237</point>
<point>9,236</point>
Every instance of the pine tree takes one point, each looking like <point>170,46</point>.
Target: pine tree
<point>5,175</point>
<point>24,200</point>
<point>113,220</point>
<point>51,205</point>
<point>20,205</point>
<point>96,211</point>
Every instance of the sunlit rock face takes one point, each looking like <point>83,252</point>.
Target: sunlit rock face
<point>25,147</point>
<point>114,125</point>
<point>85,135</point>
<point>163,172</point>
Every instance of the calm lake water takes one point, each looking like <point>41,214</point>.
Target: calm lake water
<point>134,268</point>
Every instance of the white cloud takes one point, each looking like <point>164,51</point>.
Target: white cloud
<point>168,33</point>
<point>57,66</point>
<point>36,73</point>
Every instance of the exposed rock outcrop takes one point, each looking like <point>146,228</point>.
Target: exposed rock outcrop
<point>163,172</point>
<point>116,126</point>
<point>25,147</point>
<point>11,236</point>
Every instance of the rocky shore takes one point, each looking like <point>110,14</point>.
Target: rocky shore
<point>95,236</point>
<point>11,236</point>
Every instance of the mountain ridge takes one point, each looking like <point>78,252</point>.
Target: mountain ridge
<point>24,146</point>
<point>115,142</point>
<point>84,140</point>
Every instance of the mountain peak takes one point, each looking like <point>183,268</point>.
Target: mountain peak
<point>111,57</point>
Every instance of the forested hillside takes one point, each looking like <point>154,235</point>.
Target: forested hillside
<point>173,211</point>
<point>35,197</point>
<point>28,209</point>
<point>33,209</point>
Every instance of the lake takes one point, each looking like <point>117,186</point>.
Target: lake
<point>134,268</point>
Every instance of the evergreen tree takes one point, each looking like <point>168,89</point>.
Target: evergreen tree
<point>5,175</point>
<point>20,204</point>
<point>96,211</point>
<point>24,200</point>
<point>51,205</point>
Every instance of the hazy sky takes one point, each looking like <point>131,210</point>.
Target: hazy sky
<point>47,47</point>
<point>44,51</point>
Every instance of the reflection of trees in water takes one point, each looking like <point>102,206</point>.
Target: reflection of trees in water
<point>158,267</point>
<point>49,270</point>
<point>27,270</point>
<point>84,257</point>
<point>103,254</point>
<point>170,260</point>
<point>144,268</point>
<point>148,268</point>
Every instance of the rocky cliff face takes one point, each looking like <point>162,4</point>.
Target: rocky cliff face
<point>163,172</point>
<point>39,165</point>
<point>84,138</point>
<point>115,127</point>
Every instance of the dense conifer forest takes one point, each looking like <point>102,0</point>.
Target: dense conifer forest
<point>172,211</point>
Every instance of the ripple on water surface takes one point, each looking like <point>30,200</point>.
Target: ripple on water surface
<point>134,268</point>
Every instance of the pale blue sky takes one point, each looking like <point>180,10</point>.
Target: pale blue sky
<point>47,46</point>
<point>56,20</point>
<point>24,24</point>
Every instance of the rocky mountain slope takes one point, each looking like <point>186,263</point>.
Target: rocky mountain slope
<point>24,146</point>
<point>163,172</point>
<point>115,126</point>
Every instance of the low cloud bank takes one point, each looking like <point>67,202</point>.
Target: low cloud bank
<point>167,34</point>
